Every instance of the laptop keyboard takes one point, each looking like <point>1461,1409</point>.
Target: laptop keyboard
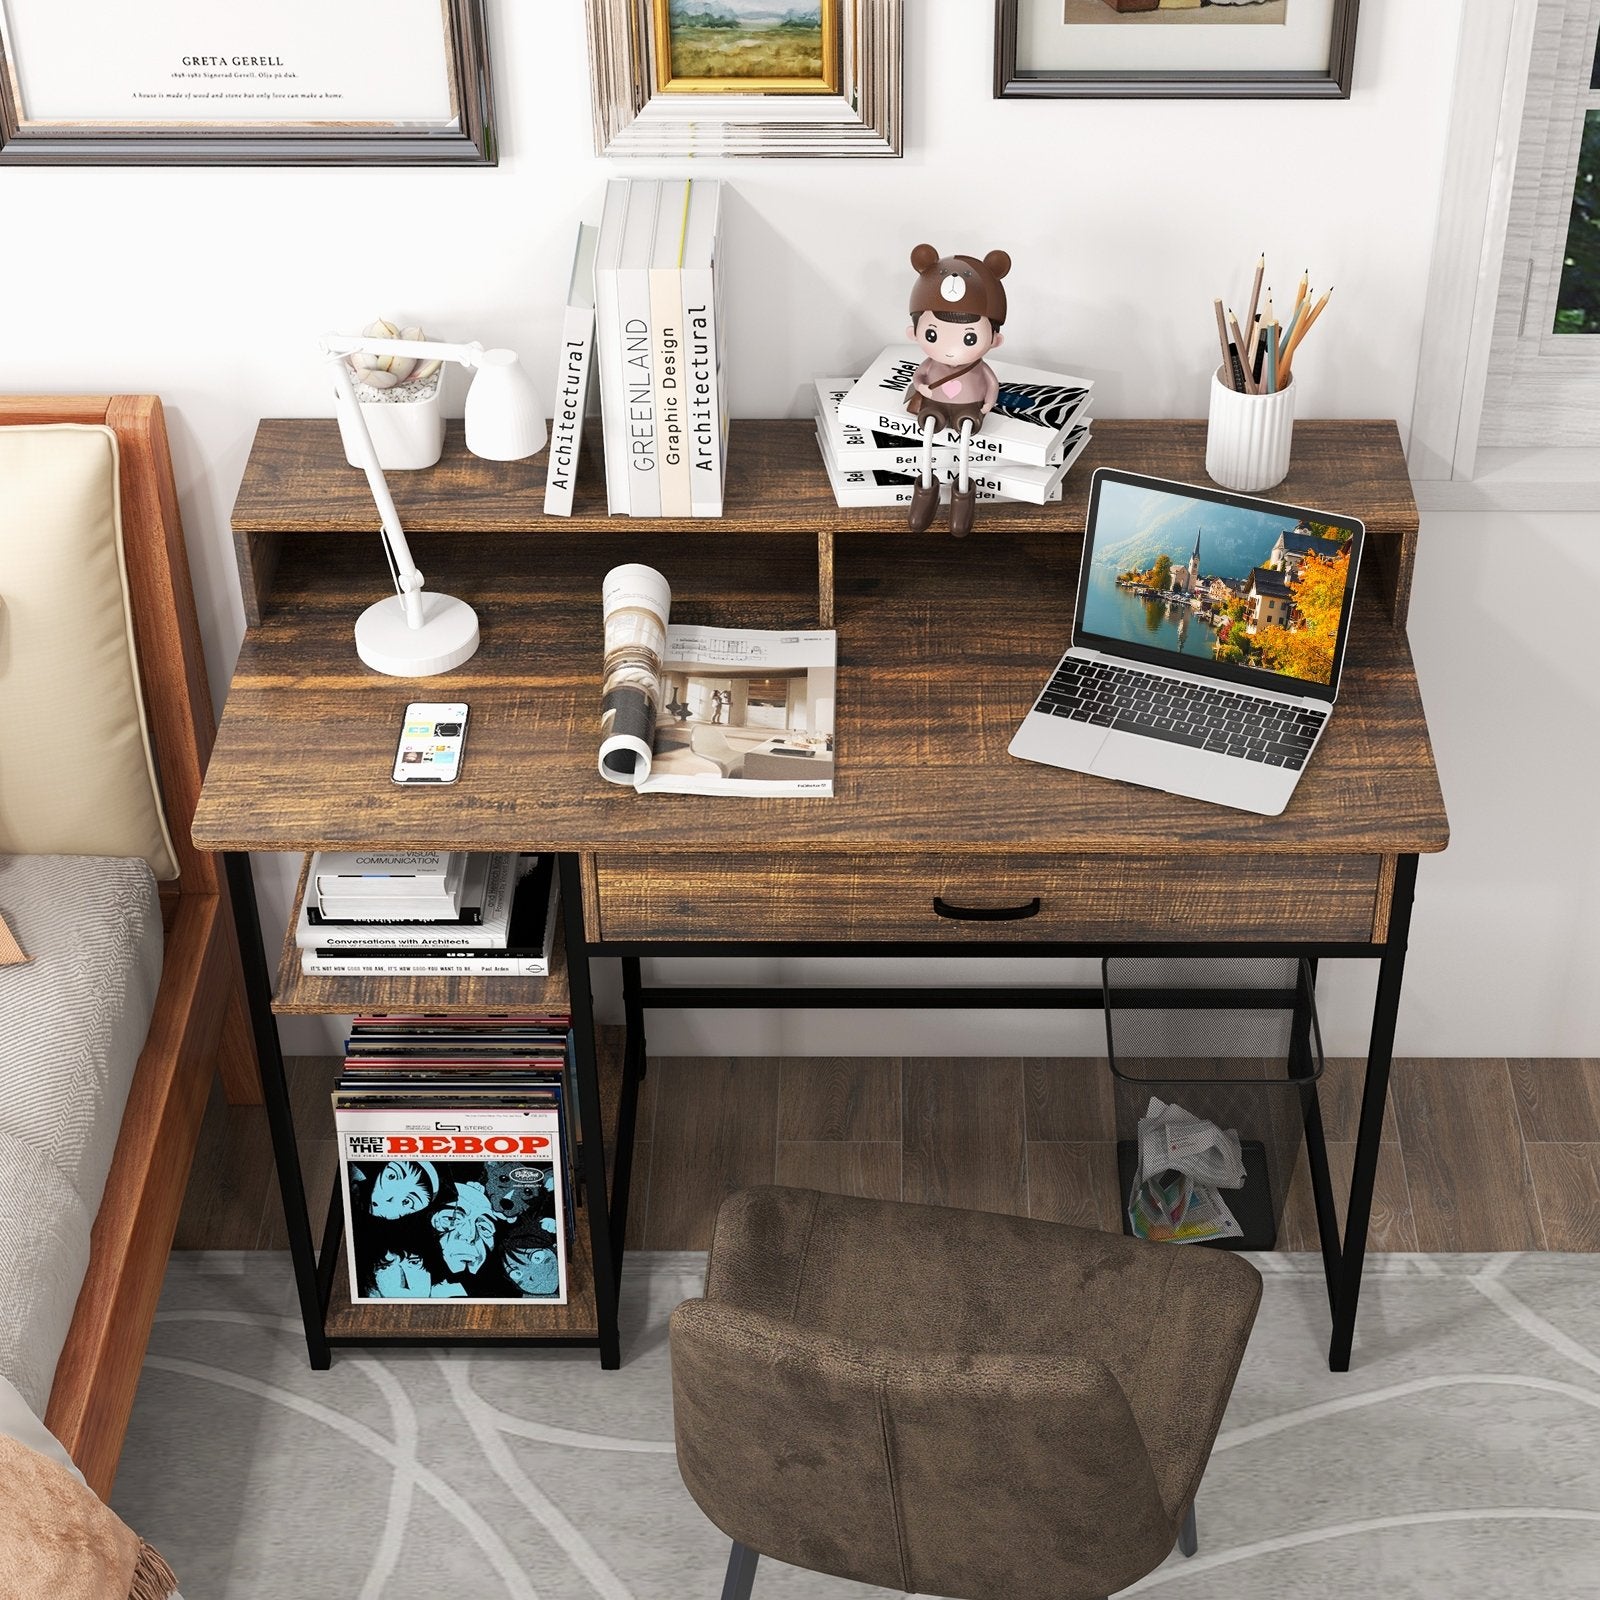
<point>1203,716</point>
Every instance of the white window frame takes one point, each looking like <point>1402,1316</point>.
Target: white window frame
<point>1497,254</point>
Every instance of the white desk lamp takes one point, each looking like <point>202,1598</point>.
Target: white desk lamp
<point>413,634</point>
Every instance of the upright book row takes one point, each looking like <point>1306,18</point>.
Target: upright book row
<point>654,321</point>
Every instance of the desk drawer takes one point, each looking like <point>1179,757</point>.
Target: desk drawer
<point>840,896</point>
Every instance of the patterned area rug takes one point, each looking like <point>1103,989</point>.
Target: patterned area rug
<point>1460,1457</point>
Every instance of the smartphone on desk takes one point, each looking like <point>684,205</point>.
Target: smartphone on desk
<point>431,738</point>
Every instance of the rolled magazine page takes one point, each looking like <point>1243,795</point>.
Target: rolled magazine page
<point>637,601</point>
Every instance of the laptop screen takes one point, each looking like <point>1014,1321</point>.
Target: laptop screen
<point>1216,583</point>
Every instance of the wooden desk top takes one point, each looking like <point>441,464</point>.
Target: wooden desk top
<point>943,646</point>
<point>297,481</point>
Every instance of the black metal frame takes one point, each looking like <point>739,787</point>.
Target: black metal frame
<point>1343,1254</point>
<point>1331,83</point>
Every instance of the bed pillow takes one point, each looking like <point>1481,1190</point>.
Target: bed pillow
<point>82,779</point>
<point>19,1423</point>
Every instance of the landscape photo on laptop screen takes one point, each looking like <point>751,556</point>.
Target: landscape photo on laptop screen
<point>1226,583</point>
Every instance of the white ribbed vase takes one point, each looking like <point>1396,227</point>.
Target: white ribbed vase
<point>1248,436</point>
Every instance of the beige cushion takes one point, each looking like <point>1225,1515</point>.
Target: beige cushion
<point>79,776</point>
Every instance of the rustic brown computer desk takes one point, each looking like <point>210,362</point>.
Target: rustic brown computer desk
<point>936,841</point>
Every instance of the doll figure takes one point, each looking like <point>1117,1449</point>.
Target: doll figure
<point>958,304</point>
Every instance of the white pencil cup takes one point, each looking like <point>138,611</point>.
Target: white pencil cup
<point>1248,436</point>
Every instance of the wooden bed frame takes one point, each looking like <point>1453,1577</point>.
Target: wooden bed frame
<point>201,1022</point>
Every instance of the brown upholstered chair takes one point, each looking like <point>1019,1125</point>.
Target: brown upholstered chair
<point>950,1402</point>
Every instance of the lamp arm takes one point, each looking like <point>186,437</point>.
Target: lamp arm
<point>466,355</point>
<point>407,580</point>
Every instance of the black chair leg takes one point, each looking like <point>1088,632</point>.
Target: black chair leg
<point>1188,1534</point>
<point>741,1576</point>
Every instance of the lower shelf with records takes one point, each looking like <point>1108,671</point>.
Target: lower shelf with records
<point>351,1320</point>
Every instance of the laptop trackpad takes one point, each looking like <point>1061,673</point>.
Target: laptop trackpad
<point>1157,765</point>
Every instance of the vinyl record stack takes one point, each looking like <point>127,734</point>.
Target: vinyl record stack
<point>457,1157</point>
<point>872,446</point>
<point>658,345</point>
<point>428,914</point>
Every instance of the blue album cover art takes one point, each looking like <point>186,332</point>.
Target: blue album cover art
<point>451,1229</point>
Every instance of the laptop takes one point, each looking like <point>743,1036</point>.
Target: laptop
<point>1207,642</point>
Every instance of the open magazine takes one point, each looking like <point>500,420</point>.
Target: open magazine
<point>1183,1164</point>
<point>692,710</point>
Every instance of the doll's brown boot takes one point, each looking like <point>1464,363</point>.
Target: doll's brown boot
<point>963,505</point>
<point>924,505</point>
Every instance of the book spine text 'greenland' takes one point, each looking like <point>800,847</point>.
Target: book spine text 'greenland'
<point>637,338</point>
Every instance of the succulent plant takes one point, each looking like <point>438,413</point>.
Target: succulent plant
<point>389,372</point>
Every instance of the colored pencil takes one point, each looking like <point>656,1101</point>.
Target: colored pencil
<point>1294,321</point>
<point>1272,358</point>
<point>1255,301</point>
<point>1258,340</point>
<point>1238,339</point>
<point>1305,327</point>
<point>1227,349</point>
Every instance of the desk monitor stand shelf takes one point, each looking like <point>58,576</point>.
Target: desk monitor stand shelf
<point>935,843</point>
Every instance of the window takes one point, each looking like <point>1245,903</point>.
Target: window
<point>1544,360</point>
<point>1578,300</point>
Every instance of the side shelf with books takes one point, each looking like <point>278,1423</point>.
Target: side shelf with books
<point>301,993</point>
<point>479,1048</point>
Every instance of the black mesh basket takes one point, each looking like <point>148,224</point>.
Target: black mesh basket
<point>1232,1041</point>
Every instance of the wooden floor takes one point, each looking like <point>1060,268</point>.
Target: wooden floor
<point>1478,1155</point>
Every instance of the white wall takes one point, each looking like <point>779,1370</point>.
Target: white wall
<point>1124,219</point>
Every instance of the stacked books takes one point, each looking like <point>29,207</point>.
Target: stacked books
<point>872,446</point>
<point>436,914</point>
<point>456,1157</point>
<point>657,327</point>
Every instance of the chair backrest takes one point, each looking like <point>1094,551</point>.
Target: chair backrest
<point>927,1472</point>
<point>99,640</point>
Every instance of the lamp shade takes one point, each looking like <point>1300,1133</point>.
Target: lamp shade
<point>504,419</point>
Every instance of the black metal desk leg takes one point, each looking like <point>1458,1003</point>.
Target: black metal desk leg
<point>275,1094</point>
<point>594,1147</point>
<point>633,1012</point>
<point>633,1070</point>
<point>1374,1096</point>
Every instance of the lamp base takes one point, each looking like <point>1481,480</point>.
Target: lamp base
<point>448,636</point>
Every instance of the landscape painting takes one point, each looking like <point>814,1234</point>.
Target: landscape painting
<point>747,46</point>
<point>1178,11</point>
<point>1228,583</point>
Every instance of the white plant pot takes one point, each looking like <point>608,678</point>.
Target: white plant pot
<point>407,434</point>
<point>1248,436</point>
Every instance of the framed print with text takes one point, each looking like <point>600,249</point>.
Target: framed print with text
<point>1175,49</point>
<point>272,83</point>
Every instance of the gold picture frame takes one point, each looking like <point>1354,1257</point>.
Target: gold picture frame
<point>682,77</point>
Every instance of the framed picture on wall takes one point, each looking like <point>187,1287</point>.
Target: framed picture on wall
<point>677,78</point>
<point>273,83</point>
<point>1174,49</point>
<point>747,47</point>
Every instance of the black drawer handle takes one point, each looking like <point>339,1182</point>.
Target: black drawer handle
<point>943,908</point>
